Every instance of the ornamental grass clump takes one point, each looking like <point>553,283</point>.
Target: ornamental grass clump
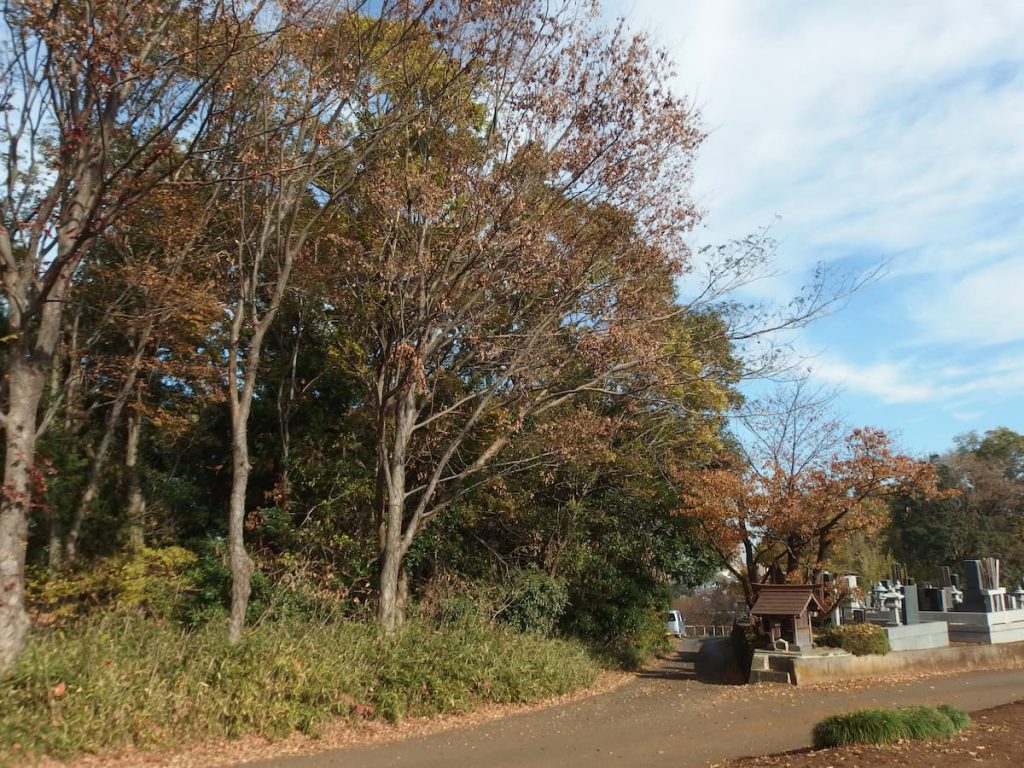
<point>960,718</point>
<point>885,726</point>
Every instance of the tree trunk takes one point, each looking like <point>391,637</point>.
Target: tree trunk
<point>99,458</point>
<point>287,396</point>
<point>55,541</point>
<point>25,388</point>
<point>824,545</point>
<point>92,485</point>
<point>402,601</point>
<point>389,610</point>
<point>395,598</point>
<point>135,509</point>
<point>751,575</point>
<point>792,562</point>
<point>28,364</point>
<point>394,539</point>
<point>240,399</point>
<point>240,562</point>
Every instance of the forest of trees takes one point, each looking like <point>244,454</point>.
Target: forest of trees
<point>981,513</point>
<point>323,306</point>
<point>333,301</point>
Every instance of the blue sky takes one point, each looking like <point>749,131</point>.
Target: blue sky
<point>869,131</point>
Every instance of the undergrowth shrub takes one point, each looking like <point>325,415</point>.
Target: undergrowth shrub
<point>154,581</point>
<point>121,681</point>
<point>884,726</point>
<point>535,602</point>
<point>450,600</point>
<point>619,614</point>
<point>210,585</point>
<point>528,600</point>
<point>858,639</point>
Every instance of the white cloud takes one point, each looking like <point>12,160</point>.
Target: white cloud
<point>982,307</point>
<point>889,383</point>
<point>875,130</point>
<point>916,381</point>
<point>889,127</point>
<point>967,417</point>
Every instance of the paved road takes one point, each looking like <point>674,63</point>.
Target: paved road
<point>666,716</point>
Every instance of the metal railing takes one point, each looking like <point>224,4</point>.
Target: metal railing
<point>707,630</point>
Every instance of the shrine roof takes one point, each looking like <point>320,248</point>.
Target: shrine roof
<point>784,600</point>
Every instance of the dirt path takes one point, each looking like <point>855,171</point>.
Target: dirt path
<point>666,716</point>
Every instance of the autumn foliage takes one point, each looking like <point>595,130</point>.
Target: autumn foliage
<point>363,293</point>
<point>779,511</point>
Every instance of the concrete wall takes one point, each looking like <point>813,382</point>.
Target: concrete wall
<point>809,669</point>
<point>990,635</point>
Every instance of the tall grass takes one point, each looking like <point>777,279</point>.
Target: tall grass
<point>959,718</point>
<point>884,726</point>
<point>119,682</point>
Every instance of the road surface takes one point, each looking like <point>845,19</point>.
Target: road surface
<point>667,716</point>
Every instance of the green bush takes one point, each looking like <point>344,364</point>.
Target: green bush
<point>619,613</point>
<point>884,726</point>
<point>528,600</point>
<point>535,602</point>
<point>210,580</point>
<point>455,609</point>
<point>450,600</point>
<point>858,639</point>
<point>122,681</point>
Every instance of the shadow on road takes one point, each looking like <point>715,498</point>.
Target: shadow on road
<point>708,660</point>
<point>676,665</point>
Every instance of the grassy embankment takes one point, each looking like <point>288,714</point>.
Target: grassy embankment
<point>120,682</point>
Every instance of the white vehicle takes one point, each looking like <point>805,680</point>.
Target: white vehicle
<point>675,624</point>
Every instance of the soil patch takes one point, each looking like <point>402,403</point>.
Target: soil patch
<point>993,739</point>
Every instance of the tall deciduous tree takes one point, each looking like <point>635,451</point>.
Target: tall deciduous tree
<point>517,249</point>
<point>309,110</point>
<point>802,486</point>
<point>78,80</point>
<point>983,516</point>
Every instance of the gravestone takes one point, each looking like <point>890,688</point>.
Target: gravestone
<point>945,577</point>
<point>911,612</point>
<point>974,598</point>
<point>898,573</point>
<point>982,593</point>
<point>935,599</point>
